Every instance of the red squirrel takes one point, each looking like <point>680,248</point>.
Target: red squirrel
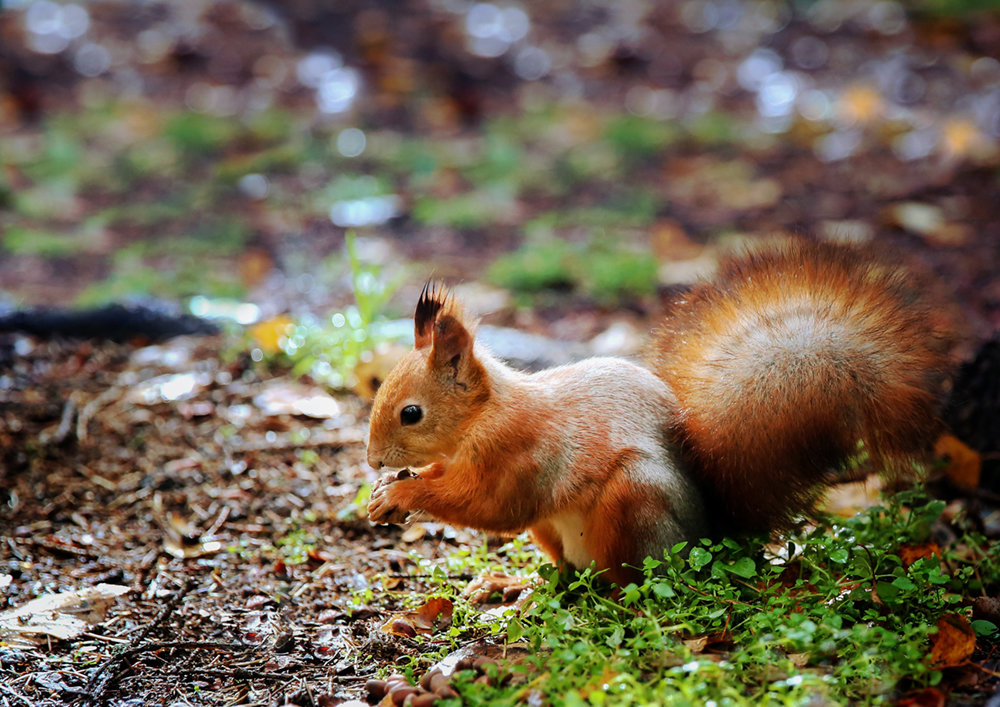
<point>759,385</point>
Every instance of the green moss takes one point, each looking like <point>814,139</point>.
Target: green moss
<point>546,264</point>
<point>603,268</point>
<point>20,240</point>
<point>474,209</point>
<point>639,138</point>
<point>198,134</point>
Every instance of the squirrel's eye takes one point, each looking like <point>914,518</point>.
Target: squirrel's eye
<point>411,415</point>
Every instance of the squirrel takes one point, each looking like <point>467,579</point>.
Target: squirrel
<point>761,384</point>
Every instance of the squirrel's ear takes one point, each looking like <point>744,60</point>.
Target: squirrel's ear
<point>452,343</point>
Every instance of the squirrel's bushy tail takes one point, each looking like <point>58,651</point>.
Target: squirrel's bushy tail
<point>788,360</point>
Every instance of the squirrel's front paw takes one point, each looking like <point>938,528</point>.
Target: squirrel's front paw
<point>384,506</point>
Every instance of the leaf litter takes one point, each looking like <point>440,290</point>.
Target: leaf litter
<point>234,534</point>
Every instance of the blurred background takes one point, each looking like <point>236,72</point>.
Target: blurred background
<point>569,154</point>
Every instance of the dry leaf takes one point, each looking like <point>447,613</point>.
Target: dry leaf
<point>435,614</point>
<point>490,584</point>
<point>269,334</point>
<point>414,533</point>
<point>167,388</point>
<point>928,697</point>
<point>607,675</point>
<point>696,645</point>
<point>64,615</point>
<point>911,553</point>
<point>916,217</point>
<point>370,373</point>
<point>964,464</point>
<point>987,608</point>
<point>955,641</point>
<point>669,242</point>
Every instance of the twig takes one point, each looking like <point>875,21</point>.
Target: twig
<point>234,674</point>
<point>983,668</point>
<point>65,424</point>
<point>219,520</point>
<point>93,407</point>
<point>106,639</point>
<point>169,609</point>
<point>11,692</point>
<point>96,687</point>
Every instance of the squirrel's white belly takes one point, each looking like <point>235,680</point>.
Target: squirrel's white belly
<point>569,528</point>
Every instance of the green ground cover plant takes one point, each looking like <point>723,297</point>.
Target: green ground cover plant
<point>835,616</point>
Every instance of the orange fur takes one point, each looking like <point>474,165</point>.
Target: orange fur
<point>788,360</point>
<point>765,380</point>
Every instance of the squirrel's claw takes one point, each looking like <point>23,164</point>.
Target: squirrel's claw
<point>381,509</point>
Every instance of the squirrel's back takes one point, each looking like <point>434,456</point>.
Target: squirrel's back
<point>784,363</point>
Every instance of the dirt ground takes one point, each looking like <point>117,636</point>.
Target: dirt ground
<point>229,516</point>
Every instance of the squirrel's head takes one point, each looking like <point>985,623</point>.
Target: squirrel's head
<point>425,402</point>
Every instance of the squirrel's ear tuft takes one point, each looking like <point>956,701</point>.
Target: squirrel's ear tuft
<point>433,299</point>
<point>435,302</point>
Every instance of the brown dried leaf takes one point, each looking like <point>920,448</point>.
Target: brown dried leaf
<point>911,553</point>
<point>607,676</point>
<point>492,584</point>
<point>928,697</point>
<point>955,641</point>
<point>435,614</point>
<point>964,464</point>
<point>436,610</point>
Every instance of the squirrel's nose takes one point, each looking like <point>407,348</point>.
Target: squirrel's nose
<point>374,463</point>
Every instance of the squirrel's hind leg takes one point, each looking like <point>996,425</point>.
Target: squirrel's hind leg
<point>641,512</point>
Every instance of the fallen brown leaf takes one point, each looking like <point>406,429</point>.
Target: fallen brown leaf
<point>435,614</point>
<point>928,697</point>
<point>964,464</point>
<point>955,641</point>
<point>911,553</point>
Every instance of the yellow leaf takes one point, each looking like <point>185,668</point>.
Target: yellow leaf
<point>269,334</point>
